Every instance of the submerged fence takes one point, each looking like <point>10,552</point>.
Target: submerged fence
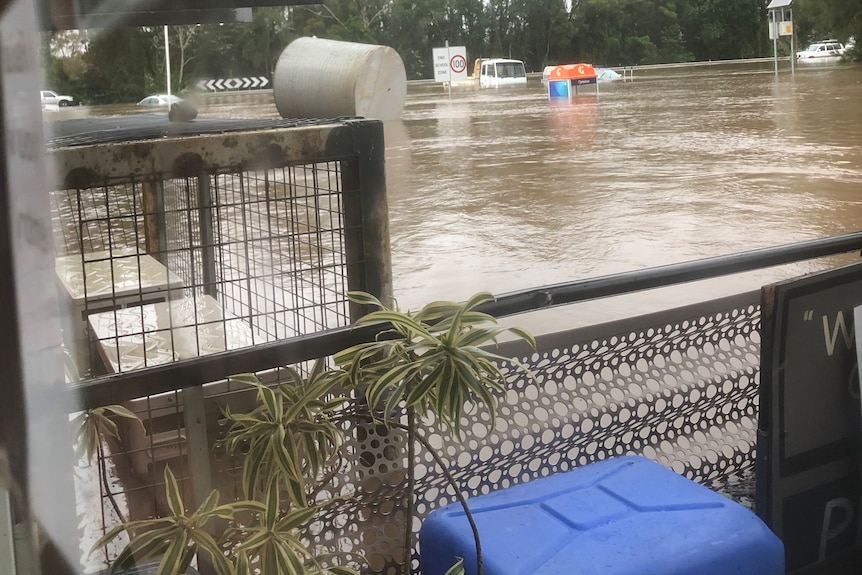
<point>199,257</point>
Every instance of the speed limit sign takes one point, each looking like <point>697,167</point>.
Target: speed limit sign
<point>458,63</point>
<point>450,63</point>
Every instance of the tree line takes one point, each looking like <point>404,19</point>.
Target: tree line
<point>126,64</point>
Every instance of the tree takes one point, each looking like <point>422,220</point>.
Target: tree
<point>722,29</point>
<point>820,19</point>
<point>120,65</point>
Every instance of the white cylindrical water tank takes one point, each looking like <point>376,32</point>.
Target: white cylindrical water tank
<point>317,78</point>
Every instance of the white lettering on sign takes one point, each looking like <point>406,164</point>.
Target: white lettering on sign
<point>830,333</point>
<point>842,508</point>
<point>450,63</point>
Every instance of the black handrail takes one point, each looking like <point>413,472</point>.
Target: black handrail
<point>672,274</point>
<point>196,371</point>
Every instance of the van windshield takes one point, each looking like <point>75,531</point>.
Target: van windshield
<point>511,70</point>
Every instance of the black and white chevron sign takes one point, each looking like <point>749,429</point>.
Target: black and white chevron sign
<point>249,83</point>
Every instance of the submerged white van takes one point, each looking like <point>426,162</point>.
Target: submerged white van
<point>496,72</point>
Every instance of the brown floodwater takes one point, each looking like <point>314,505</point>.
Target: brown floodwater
<point>502,190</point>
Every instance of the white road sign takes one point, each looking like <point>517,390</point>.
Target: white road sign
<point>450,64</point>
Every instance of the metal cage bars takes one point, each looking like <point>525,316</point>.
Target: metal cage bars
<point>259,242</point>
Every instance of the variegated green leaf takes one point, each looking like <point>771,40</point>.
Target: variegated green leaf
<point>457,568</point>
<point>172,491</point>
<point>424,386</point>
<point>246,378</point>
<point>242,564</point>
<point>172,560</point>
<point>394,399</point>
<point>364,298</point>
<point>296,490</point>
<point>392,378</point>
<point>478,299</point>
<point>147,544</point>
<point>123,412</point>
<point>272,501</point>
<point>257,539</point>
<point>251,469</point>
<point>267,397</point>
<point>405,324</point>
<point>206,543</point>
<point>295,518</point>
<point>248,505</point>
<point>339,570</point>
<point>288,560</point>
<point>209,503</point>
<point>436,311</point>
<point>223,511</point>
<point>524,334</point>
<point>479,336</point>
<point>104,426</point>
<point>109,536</point>
<point>285,456</point>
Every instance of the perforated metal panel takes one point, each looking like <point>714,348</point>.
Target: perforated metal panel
<point>679,388</point>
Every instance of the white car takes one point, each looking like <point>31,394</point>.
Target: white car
<point>49,97</point>
<point>832,49</point>
<point>160,100</point>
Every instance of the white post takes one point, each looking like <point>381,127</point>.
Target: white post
<point>449,68</point>
<point>774,29</point>
<point>792,45</point>
<point>167,61</point>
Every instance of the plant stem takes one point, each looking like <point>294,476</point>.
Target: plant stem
<point>326,479</point>
<point>451,479</point>
<point>103,471</point>
<point>411,456</point>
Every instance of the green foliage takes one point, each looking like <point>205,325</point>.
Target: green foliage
<point>290,438</point>
<point>289,435</point>
<point>125,64</point>
<point>95,425</point>
<point>175,538</point>
<point>432,361</point>
<point>822,19</point>
<point>435,364</point>
<point>273,542</point>
<point>457,568</point>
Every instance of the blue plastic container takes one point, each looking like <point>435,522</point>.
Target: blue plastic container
<point>624,516</point>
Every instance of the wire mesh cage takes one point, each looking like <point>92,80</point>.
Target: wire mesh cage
<point>163,266</point>
<point>176,249</point>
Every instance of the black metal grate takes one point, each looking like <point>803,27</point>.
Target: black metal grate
<point>265,247</point>
<point>280,260</point>
<point>140,127</point>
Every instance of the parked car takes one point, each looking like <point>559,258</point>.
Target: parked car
<point>831,49</point>
<point>160,100</point>
<point>53,98</point>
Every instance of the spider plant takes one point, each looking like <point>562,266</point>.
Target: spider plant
<point>434,361</point>
<point>92,428</point>
<point>175,538</point>
<point>272,544</point>
<point>290,437</point>
<point>430,362</point>
<point>290,434</point>
<point>434,364</point>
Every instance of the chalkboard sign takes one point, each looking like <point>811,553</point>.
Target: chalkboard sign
<point>809,488</point>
